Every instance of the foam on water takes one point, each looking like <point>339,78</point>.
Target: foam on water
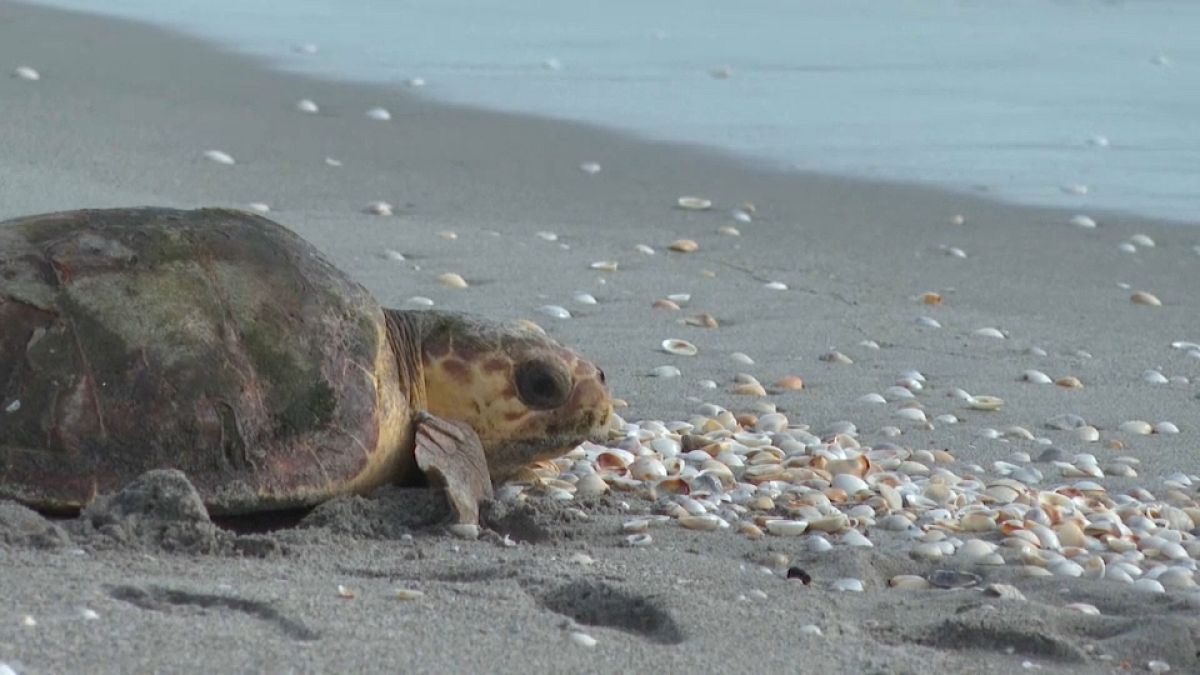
<point>974,95</point>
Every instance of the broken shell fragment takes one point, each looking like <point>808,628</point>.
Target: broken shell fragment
<point>985,403</point>
<point>679,347</point>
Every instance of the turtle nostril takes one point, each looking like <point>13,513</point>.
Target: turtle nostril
<point>603,380</point>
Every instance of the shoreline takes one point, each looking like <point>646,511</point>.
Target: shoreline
<point>123,114</point>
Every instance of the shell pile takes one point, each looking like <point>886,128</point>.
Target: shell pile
<point>763,475</point>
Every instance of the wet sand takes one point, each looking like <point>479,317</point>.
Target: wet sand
<point>121,116</point>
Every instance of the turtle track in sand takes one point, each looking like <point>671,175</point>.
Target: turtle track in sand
<point>163,599</point>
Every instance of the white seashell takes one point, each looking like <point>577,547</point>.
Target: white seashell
<point>393,254</point>
<point>1083,221</point>
<point>305,105</point>
<point>898,393</point>
<point>810,629</point>
<point>694,203</point>
<point>1083,608</point>
<point>409,594</point>
<point>26,73</point>
<point>1126,247</point>
<point>1138,427</point>
<point>679,347</point>
<point>546,236</point>
<point>742,358</point>
<point>1149,585</point>
<point>379,209</point>
<point>330,161</point>
<point>955,252</point>
<point>1065,567</point>
<point>819,544</point>
<point>644,249</point>
<point>420,300</point>
<point>13,407</point>
<point>1184,345</point>
<point>582,639</point>
<point>1141,240</point>
<point>946,418</point>
<point>787,528</point>
<point>451,280</point>
<point>856,539</point>
<point>605,265</point>
<point>872,398</point>
<point>665,371</point>
<point>639,539</point>
<point>584,298</point>
<point>912,414</point>
<point>775,286</point>
<point>555,311</point>
<point>847,585</point>
<point>741,216</point>
<point>1036,377</point>
<point>990,332</point>
<point>850,483</point>
<point>416,82</point>
<point>259,207</point>
<point>1166,428</point>
<point>1157,666</point>
<point>928,322</point>
<point>729,231</point>
<point>708,384</point>
<point>379,114</point>
<point>1154,377</point>
<point>985,403</point>
<point>590,168</point>
<point>1074,189</point>
<point>219,157</point>
<point>591,484</point>
<point>928,551</point>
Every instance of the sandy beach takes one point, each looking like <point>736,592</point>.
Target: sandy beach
<point>874,281</point>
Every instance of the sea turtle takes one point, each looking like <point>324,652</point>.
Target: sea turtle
<point>222,344</point>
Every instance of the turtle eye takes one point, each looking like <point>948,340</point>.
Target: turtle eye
<point>542,385</point>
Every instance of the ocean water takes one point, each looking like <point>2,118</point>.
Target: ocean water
<point>1026,100</point>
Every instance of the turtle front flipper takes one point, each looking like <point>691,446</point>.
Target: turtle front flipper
<point>452,453</point>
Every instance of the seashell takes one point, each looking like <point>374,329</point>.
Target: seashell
<point>1083,221</point>
<point>409,594</point>
<point>346,592</point>
<point>851,483</point>
<point>931,298</point>
<point>26,73</point>
<point>954,251</point>
<point>1157,666</point>
<point>1069,382</point>
<point>952,579</point>
<point>911,414</point>
<point>702,321</point>
<point>665,304</point>
<point>1004,592</point>
<point>1166,428</point>
<point>786,528</point>
<point>1149,585</point>
<point>1142,240</point>
<point>928,322</point>
<point>330,161</point>
<point>1065,567</point>
<point>451,280</point>
<point>742,358</point>
<point>847,585</point>
<point>605,265</point>
<point>703,522</point>
<point>990,332</point>
<point>750,389</point>
<point>1138,427</point>
<point>219,157</point>
<point>590,168</point>
<point>420,301</point>
<point>1144,298</point>
<point>775,286</point>
<point>447,235</point>
<point>416,82</point>
<point>694,203</point>
<point>554,311</point>
<point>1154,377</point>
<point>985,403</point>
<point>1074,189</point>
<point>305,105</point>
<point>684,246</point>
<point>790,383</point>
<point>379,209</point>
<point>908,582</point>
<point>639,539</point>
<point>873,398</point>
<point>644,249</point>
<point>648,468</point>
<point>750,530</point>
<point>584,298</point>
<point>582,639</point>
<point>679,347</point>
<point>1036,376</point>
<point>856,539</point>
<point>379,114</point>
<point>259,207</point>
<point>1126,247</point>
<point>1082,608</point>
<point>836,357</point>
<point>546,236</point>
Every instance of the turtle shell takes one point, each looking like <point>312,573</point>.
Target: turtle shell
<point>212,341</point>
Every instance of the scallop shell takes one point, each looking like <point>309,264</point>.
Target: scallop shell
<point>679,347</point>
<point>694,203</point>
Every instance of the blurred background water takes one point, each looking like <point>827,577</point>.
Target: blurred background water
<point>1027,100</point>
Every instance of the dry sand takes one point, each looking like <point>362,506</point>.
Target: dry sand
<point>121,116</point>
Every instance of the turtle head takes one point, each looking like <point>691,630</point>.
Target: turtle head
<point>526,396</point>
